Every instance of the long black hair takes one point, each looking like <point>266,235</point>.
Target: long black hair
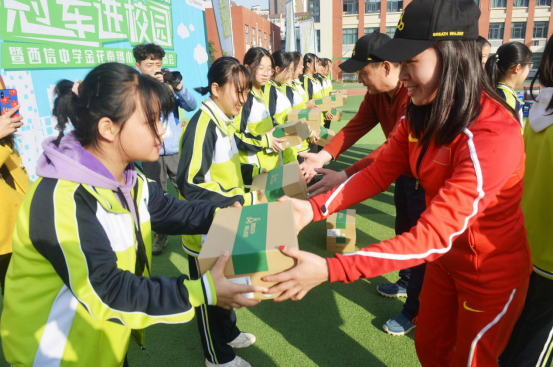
<point>545,72</point>
<point>282,59</point>
<point>457,102</point>
<point>296,57</point>
<point>253,58</point>
<point>312,58</point>
<point>508,55</point>
<point>110,90</point>
<point>227,70</point>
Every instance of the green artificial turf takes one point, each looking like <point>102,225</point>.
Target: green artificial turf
<point>335,325</point>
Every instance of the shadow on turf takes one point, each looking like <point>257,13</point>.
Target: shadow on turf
<point>314,325</point>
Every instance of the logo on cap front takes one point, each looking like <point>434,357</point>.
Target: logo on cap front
<point>401,25</point>
<point>353,52</point>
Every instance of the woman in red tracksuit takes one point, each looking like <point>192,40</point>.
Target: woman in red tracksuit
<point>463,145</point>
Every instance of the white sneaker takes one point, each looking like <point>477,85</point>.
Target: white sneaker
<point>243,340</point>
<point>236,362</point>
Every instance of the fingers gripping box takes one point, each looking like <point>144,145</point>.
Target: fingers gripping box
<point>284,180</point>
<point>340,231</point>
<point>252,236</point>
<point>337,115</point>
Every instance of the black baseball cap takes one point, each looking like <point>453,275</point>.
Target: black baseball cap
<point>425,22</point>
<point>360,57</point>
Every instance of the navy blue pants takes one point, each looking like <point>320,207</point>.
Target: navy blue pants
<point>410,203</point>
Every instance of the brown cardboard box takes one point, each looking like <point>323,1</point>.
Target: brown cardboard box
<point>337,114</point>
<point>324,104</point>
<point>337,100</point>
<point>325,136</point>
<point>283,180</point>
<point>312,116</point>
<point>294,132</point>
<point>340,231</point>
<point>252,236</point>
<point>343,93</point>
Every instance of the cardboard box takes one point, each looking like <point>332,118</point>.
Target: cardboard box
<point>324,104</point>
<point>252,235</point>
<point>283,180</point>
<point>312,116</point>
<point>337,100</point>
<point>343,93</point>
<point>294,132</point>
<point>337,114</point>
<point>325,136</point>
<point>340,231</point>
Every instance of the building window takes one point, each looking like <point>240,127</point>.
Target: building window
<point>496,31</point>
<point>520,3</point>
<point>536,59</point>
<point>259,35</point>
<point>315,10</point>
<point>394,6</point>
<point>371,29</point>
<point>372,6</point>
<point>543,2</point>
<point>391,31</point>
<point>253,37</point>
<point>518,30</point>
<point>318,34</point>
<point>540,30</point>
<point>349,36</point>
<point>351,6</point>
<point>247,35</point>
<point>265,39</point>
<point>499,3</point>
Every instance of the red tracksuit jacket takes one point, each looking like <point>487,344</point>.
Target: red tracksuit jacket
<point>473,222</point>
<point>375,108</point>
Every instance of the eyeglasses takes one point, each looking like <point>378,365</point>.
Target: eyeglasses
<point>269,72</point>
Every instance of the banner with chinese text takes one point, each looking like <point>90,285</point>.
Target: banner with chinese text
<point>223,20</point>
<point>40,37</point>
<point>307,37</point>
<point>290,27</point>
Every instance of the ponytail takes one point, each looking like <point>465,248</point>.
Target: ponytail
<point>508,55</point>
<point>312,58</point>
<point>203,90</point>
<point>113,91</point>
<point>227,70</point>
<point>64,107</point>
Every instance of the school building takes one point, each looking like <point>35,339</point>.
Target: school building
<point>339,23</point>
<point>248,30</point>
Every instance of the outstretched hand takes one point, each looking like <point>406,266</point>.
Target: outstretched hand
<point>310,271</point>
<point>330,180</point>
<point>229,293</point>
<point>303,212</point>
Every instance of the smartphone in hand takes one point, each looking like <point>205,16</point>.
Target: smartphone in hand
<point>8,100</point>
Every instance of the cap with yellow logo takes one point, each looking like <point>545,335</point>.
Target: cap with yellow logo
<point>360,56</point>
<point>425,22</point>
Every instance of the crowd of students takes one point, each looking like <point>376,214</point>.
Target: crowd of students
<point>80,283</point>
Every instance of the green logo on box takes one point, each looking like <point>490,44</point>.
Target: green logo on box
<point>273,187</point>
<point>250,243</point>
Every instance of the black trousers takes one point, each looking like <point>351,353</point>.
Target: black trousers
<point>410,203</point>
<point>4,263</point>
<point>531,343</point>
<point>216,325</point>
